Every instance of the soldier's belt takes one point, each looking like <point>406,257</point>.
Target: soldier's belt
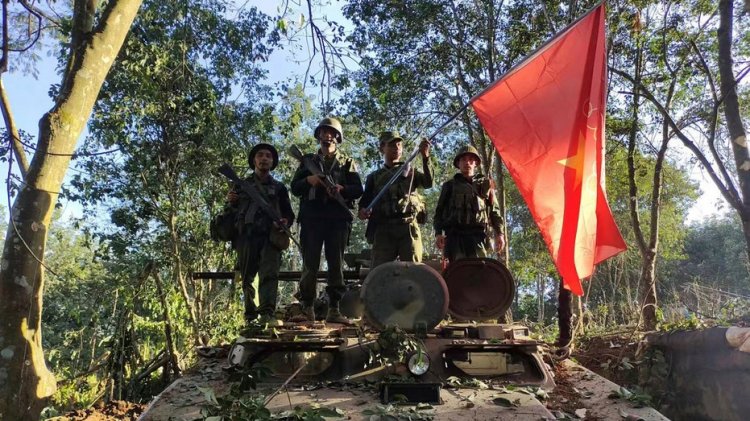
<point>396,221</point>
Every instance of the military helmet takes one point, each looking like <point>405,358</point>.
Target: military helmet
<point>389,136</point>
<point>332,123</point>
<point>259,146</point>
<point>466,150</point>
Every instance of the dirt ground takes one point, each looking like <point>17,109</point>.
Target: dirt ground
<point>565,397</point>
<point>612,356</point>
<point>113,411</point>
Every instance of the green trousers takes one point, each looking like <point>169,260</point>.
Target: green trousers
<point>315,236</point>
<point>393,240</point>
<point>256,255</point>
<point>459,245</point>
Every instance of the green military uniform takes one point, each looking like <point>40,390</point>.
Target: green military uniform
<point>465,212</point>
<point>325,222</point>
<point>393,227</point>
<point>255,253</point>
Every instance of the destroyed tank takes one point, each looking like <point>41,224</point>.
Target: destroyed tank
<point>429,347</point>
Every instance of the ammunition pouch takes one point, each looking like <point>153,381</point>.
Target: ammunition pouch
<point>422,217</point>
<point>468,205</point>
<point>279,239</point>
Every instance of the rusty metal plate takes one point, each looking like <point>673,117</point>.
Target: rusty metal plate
<point>408,295</point>
<point>479,289</point>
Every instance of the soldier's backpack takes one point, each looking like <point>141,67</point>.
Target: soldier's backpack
<point>223,227</point>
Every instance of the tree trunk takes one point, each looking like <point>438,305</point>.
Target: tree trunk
<point>179,278</point>
<point>25,381</point>
<point>648,292</point>
<point>732,114</point>
<point>172,363</point>
<point>564,316</point>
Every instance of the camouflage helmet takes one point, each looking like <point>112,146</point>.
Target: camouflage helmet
<point>332,123</point>
<point>466,150</point>
<point>389,136</point>
<point>259,146</point>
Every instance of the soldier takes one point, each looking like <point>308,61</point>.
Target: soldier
<point>256,253</point>
<point>323,220</point>
<point>466,210</point>
<point>393,226</point>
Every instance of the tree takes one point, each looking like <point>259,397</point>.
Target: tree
<point>697,121</point>
<point>94,44</point>
<point>170,112</point>
<point>714,257</point>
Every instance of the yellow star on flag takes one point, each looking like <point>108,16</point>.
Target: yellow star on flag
<point>576,161</point>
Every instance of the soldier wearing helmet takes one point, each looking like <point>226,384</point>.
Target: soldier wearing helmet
<point>393,223</point>
<point>256,252</point>
<point>324,222</point>
<point>466,210</point>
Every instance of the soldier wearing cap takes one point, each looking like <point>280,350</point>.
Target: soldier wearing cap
<point>466,210</point>
<point>325,221</point>
<point>256,254</point>
<point>393,223</point>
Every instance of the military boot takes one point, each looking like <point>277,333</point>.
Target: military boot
<point>335,316</point>
<point>269,321</point>
<point>307,315</point>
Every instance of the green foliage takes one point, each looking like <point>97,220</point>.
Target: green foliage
<point>240,405</point>
<point>638,397</point>
<point>395,345</point>
<point>421,412</point>
<point>237,405</point>
<point>313,413</point>
<point>544,333</point>
<point>470,383</point>
<point>689,323</point>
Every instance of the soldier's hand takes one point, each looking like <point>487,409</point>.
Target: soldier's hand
<point>424,147</point>
<point>283,221</point>
<point>232,197</point>
<point>440,242</point>
<point>364,214</point>
<point>314,180</point>
<point>333,190</point>
<point>500,242</point>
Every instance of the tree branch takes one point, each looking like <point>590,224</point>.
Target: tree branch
<point>15,138</point>
<point>729,192</point>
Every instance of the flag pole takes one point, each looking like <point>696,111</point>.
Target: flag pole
<point>463,108</point>
<point>411,157</point>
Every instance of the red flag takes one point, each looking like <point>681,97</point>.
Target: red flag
<point>546,119</point>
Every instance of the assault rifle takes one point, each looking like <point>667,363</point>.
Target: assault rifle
<point>327,180</point>
<point>227,171</point>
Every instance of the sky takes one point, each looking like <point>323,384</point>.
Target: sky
<point>29,99</point>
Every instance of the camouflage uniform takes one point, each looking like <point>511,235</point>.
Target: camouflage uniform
<point>255,253</point>
<point>465,211</point>
<point>324,221</point>
<point>393,227</point>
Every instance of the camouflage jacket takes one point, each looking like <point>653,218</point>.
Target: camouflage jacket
<point>402,199</point>
<point>315,202</point>
<point>251,216</point>
<point>467,205</point>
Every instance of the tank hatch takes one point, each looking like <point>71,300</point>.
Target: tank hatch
<point>412,296</point>
<point>479,288</point>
